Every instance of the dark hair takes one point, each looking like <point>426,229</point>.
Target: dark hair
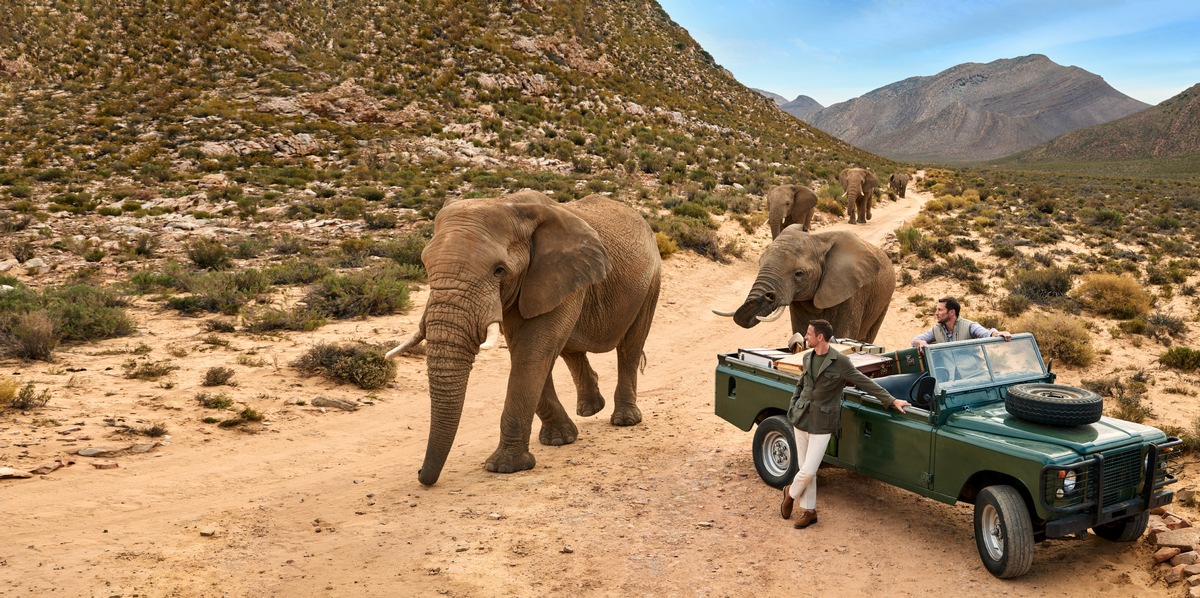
<point>822,328</point>
<point>952,304</point>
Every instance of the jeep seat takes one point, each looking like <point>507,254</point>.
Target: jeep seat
<point>916,388</point>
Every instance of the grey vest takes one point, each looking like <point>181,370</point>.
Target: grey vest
<point>962,331</point>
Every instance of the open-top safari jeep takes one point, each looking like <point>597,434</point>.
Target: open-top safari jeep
<point>987,427</point>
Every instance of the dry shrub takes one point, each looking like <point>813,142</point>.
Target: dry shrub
<point>27,398</point>
<point>32,335</point>
<point>1059,336</point>
<point>666,245</point>
<point>218,376</point>
<point>8,389</point>
<point>1116,295</point>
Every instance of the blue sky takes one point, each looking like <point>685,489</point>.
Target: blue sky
<point>835,50</point>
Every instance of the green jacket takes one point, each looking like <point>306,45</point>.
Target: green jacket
<point>817,403</point>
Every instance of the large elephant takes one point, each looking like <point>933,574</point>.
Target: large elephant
<point>899,183</point>
<point>788,205</point>
<point>557,279</point>
<point>860,187</point>
<point>831,275</point>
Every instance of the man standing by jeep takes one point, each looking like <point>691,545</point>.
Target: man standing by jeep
<point>816,411</point>
<point>950,327</point>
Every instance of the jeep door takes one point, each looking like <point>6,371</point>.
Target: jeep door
<point>890,446</point>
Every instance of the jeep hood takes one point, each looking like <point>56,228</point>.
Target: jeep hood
<point>1108,433</point>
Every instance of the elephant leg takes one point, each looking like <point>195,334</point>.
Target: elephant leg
<point>587,386</point>
<point>526,388</point>
<point>557,427</point>
<point>630,352</point>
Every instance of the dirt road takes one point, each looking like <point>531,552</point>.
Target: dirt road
<point>324,502</point>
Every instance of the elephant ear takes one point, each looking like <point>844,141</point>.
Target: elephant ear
<point>565,255</point>
<point>849,266</point>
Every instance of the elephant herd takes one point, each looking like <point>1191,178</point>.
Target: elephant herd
<point>568,279</point>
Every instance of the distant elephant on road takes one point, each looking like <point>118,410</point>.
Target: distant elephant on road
<point>899,183</point>
<point>558,280</point>
<point>860,187</point>
<point>833,275</point>
<point>788,205</point>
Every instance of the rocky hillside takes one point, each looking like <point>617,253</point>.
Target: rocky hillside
<point>976,111</point>
<point>1167,134</point>
<point>414,100</point>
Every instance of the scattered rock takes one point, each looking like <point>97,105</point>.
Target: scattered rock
<point>208,532</point>
<point>567,550</point>
<point>1186,558</point>
<point>1179,538</point>
<point>105,465</point>
<point>336,403</point>
<point>1175,575</point>
<point>10,473</point>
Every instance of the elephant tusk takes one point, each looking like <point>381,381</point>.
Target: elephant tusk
<point>493,334</point>
<point>724,314</point>
<point>408,344</point>
<point>775,315</point>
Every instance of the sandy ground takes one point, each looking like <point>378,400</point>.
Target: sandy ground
<point>325,502</point>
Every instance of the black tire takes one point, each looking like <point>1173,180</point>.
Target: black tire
<point>1054,404</point>
<point>1124,530</point>
<point>1003,532</point>
<point>775,452</point>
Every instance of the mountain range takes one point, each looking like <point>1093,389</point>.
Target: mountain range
<point>1170,130</point>
<point>973,112</point>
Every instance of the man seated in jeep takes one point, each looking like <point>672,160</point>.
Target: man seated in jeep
<point>950,327</point>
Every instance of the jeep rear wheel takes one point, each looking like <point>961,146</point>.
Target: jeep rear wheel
<point>775,451</point>
<point>1053,404</point>
<point>1003,532</point>
<point>1124,530</point>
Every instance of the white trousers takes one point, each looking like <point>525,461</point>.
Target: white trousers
<point>810,448</point>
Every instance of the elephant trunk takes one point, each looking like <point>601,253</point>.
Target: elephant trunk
<point>762,301</point>
<point>776,216</point>
<point>449,368</point>
<point>454,334</point>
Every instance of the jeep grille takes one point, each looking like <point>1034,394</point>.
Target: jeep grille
<point>1122,474</point>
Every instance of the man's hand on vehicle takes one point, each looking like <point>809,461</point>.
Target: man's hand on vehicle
<point>900,404</point>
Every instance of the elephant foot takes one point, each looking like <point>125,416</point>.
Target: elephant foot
<point>626,415</point>
<point>589,406</point>
<point>509,461</point>
<point>558,434</point>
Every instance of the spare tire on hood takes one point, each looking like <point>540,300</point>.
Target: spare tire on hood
<point>1053,404</point>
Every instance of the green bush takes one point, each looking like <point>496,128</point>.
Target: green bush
<point>376,292</point>
<point>1061,337</point>
<point>1119,296</point>
<point>1181,358</point>
<point>208,254</point>
<point>1041,285</point>
<point>301,319</point>
<point>361,365</point>
<point>219,401</point>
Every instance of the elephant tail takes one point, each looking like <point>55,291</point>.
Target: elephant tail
<point>642,364</point>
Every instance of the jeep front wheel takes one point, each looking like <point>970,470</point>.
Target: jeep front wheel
<point>1124,530</point>
<point>1053,404</point>
<point>775,451</point>
<point>1003,532</point>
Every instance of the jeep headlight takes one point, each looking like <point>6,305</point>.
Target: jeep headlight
<point>1068,478</point>
<point>1069,481</point>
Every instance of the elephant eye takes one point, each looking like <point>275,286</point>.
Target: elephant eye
<point>499,271</point>
<point>799,274</point>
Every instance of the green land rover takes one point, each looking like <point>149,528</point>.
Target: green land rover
<point>987,427</point>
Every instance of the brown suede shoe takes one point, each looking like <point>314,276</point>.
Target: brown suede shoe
<point>808,518</point>
<point>785,507</point>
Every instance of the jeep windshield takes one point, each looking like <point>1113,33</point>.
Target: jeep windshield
<point>969,365</point>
